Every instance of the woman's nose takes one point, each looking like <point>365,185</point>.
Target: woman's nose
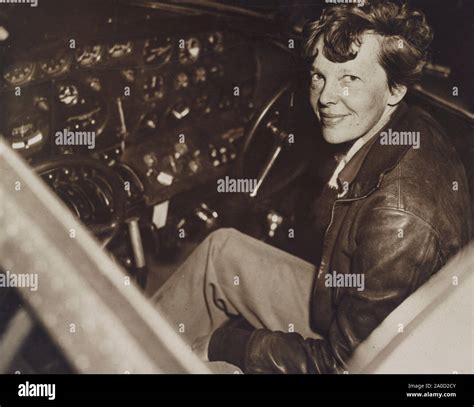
<point>330,93</point>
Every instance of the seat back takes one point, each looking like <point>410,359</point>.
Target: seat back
<point>459,126</point>
<point>432,331</point>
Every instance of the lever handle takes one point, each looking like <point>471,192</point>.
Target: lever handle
<point>266,170</point>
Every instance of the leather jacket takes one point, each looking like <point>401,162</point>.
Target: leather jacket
<point>405,213</point>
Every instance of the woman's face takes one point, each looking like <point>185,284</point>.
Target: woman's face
<point>349,98</point>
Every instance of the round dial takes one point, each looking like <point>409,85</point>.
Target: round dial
<point>56,65</point>
<point>119,50</point>
<point>80,108</point>
<point>19,73</point>
<point>89,55</point>
<point>190,51</point>
<point>157,52</point>
<point>68,95</point>
<point>29,132</point>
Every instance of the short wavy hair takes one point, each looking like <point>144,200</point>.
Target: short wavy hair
<point>406,37</point>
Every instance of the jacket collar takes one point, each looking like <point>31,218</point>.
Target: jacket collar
<point>364,172</point>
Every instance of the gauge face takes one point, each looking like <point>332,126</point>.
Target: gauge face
<point>216,41</point>
<point>68,95</point>
<point>153,87</point>
<point>56,65</point>
<point>120,50</point>
<point>89,55</point>
<point>91,121</point>
<point>80,108</point>
<point>157,52</point>
<point>28,133</point>
<point>181,81</point>
<point>19,73</point>
<point>190,51</point>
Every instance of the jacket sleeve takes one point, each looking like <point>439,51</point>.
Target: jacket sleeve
<point>396,252</point>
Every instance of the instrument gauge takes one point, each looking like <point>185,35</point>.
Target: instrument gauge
<point>56,65</point>
<point>68,95</point>
<point>157,52</point>
<point>28,133</point>
<point>19,73</point>
<point>119,50</point>
<point>89,55</point>
<point>80,108</point>
<point>190,51</point>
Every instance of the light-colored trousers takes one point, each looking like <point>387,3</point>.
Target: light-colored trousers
<point>231,274</point>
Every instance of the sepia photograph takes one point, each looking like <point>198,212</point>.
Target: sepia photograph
<point>237,187</point>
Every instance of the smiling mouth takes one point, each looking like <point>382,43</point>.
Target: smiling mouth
<point>329,120</point>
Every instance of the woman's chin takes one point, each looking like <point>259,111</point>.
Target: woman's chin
<point>334,137</point>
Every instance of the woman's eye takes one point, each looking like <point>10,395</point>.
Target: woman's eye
<point>350,78</point>
<point>316,77</point>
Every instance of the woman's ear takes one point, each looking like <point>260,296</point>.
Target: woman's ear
<point>397,93</point>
